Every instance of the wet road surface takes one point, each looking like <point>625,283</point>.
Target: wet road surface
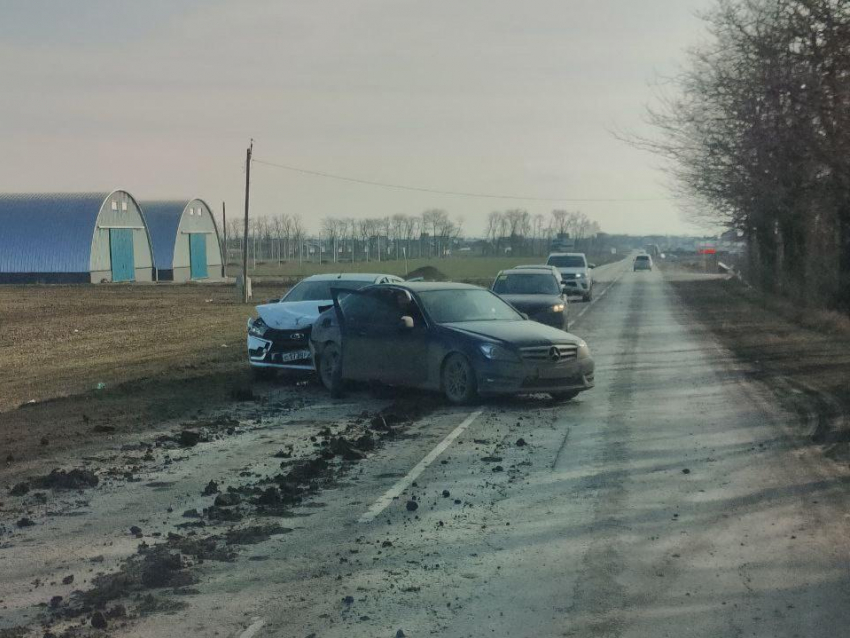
<point>671,500</point>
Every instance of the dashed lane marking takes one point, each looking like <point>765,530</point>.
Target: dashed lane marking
<point>395,491</point>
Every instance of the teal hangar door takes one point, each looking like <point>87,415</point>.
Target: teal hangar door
<point>198,255</point>
<point>121,253</point>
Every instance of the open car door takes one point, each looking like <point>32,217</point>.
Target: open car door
<point>383,337</point>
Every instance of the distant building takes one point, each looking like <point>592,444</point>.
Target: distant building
<point>73,238</point>
<point>185,240</point>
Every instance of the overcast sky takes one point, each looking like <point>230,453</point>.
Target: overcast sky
<point>494,96</point>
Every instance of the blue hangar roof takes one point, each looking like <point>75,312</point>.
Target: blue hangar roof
<point>51,232</point>
<point>163,219</point>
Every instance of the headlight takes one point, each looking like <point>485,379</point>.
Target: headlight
<point>583,350</point>
<point>497,352</point>
<point>579,275</point>
<point>257,327</point>
<point>558,307</point>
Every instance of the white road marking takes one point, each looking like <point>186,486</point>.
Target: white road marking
<point>598,297</point>
<point>395,491</point>
<point>253,628</point>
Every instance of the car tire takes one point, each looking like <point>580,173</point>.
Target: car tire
<point>458,380</point>
<point>563,397</point>
<point>329,369</point>
<point>263,374</point>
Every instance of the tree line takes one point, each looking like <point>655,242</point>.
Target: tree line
<point>433,233</point>
<point>527,234</point>
<point>757,131</point>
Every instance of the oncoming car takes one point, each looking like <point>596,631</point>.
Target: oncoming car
<point>575,273</point>
<point>278,339</point>
<point>537,292</point>
<point>643,262</point>
<point>458,339</point>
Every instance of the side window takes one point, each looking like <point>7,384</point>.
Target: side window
<point>373,307</point>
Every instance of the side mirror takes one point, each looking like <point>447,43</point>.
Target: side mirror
<point>406,323</point>
<point>564,289</point>
<point>524,316</point>
<point>591,265</point>
<point>273,301</point>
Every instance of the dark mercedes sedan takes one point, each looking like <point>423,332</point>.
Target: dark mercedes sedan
<point>459,339</point>
<point>537,292</point>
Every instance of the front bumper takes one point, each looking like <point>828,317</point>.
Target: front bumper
<point>550,318</point>
<point>505,377</point>
<point>577,286</point>
<point>289,355</point>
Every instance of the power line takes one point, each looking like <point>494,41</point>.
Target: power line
<point>437,191</point>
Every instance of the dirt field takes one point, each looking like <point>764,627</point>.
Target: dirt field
<point>160,351</point>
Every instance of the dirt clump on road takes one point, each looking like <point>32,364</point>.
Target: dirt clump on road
<point>76,479</point>
<point>254,534</point>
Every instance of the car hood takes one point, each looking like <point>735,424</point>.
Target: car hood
<point>526,303</point>
<point>292,315</point>
<point>515,333</point>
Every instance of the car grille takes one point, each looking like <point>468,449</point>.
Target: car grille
<point>565,352</point>
<point>285,340</point>
<point>568,275</point>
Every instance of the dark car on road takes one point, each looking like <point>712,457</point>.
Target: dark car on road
<point>642,262</point>
<point>537,292</point>
<point>455,338</point>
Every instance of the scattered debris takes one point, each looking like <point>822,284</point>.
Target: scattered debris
<point>189,438</point>
<point>19,489</point>
<point>103,429</point>
<point>446,494</point>
<point>520,442</point>
<point>25,522</point>
<point>98,621</point>
<point>227,499</point>
<point>686,471</point>
<point>210,489</point>
<point>68,579</point>
<point>136,531</point>
<point>76,479</point>
<point>254,534</point>
<point>412,506</point>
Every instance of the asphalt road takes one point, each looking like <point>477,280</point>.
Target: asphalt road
<point>671,500</point>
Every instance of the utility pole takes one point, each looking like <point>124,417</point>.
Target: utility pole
<point>245,243</point>
<point>224,224</point>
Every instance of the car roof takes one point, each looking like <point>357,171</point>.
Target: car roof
<point>525,270</point>
<point>566,254</point>
<point>425,286</point>
<point>350,276</point>
<point>532,266</point>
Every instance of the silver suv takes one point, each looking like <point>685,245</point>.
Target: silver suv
<point>575,273</point>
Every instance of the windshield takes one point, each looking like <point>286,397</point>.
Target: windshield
<point>453,306</point>
<point>566,261</point>
<point>642,258</point>
<point>515,284</point>
<point>321,290</point>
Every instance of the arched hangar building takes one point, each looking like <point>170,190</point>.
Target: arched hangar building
<point>185,240</point>
<point>73,238</point>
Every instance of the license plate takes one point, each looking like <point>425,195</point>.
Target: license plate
<point>550,372</point>
<point>295,355</point>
